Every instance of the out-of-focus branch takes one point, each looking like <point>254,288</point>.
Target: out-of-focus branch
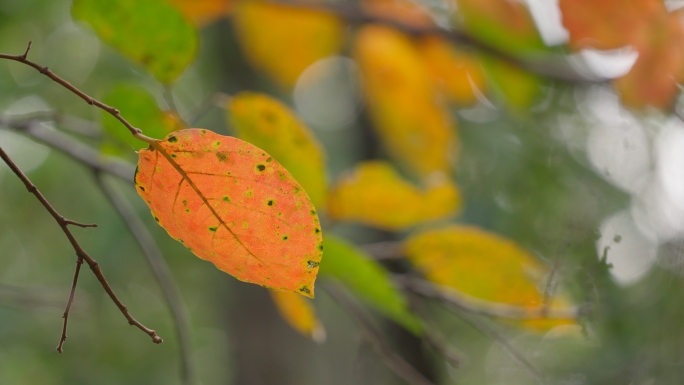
<point>80,253</point>
<point>385,250</point>
<point>393,360</point>
<point>70,123</point>
<point>159,267</point>
<point>550,66</point>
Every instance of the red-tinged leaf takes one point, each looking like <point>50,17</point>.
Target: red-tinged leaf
<point>653,79</point>
<point>299,313</point>
<point>608,24</point>
<point>232,204</point>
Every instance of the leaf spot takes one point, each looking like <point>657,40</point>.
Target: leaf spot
<point>312,264</point>
<point>270,202</point>
<point>221,156</point>
<point>213,228</point>
<point>285,237</point>
<point>226,199</point>
<point>173,139</point>
<point>260,167</point>
<point>305,290</point>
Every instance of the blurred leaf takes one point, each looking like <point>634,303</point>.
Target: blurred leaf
<point>608,24</point>
<point>506,25</point>
<point>152,33</point>
<point>412,122</point>
<point>517,88</point>
<point>299,313</point>
<point>203,12</point>
<point>141,110</point>
<point>404,11</point>
<point>483,266</point>
<point>269,124</point>
<point>374,194</point>
<point>283,41</point>
<point>458,73</point>
<point>653,80</point>
<point>368,280</point>
<point>232,204</point>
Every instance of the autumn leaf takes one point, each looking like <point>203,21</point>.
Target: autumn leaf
<point>152,33</point>
<point>299,313</point>
<point>375,194</point>
<point>231,203</point>
<point>483,268</point>
<point>459,74</point>
<point>283,41</point>
<point>411,121</point>
<point>269,124</point>
<point>368,280</point>
<point>203,12</point>
<point>141,110</point>
<point>608,24</point>
<point>517,88</point>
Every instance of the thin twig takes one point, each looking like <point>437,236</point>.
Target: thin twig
<point>73,148</point>
<point>546,65</point>
<point>136,132</point>
<point>161,271</point>
<point>71,123</point>
<point>393,360</point>
<point>80,253</point>
<point>79,262</point>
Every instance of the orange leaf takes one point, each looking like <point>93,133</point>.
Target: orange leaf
<point>283,41</point>
<point>608,24</point>
<point>299,313</point>
<point>374,194</point>
<point>203,12</point>
<point>412,122</point>
<point>458,73</point>
<point>232,204</point>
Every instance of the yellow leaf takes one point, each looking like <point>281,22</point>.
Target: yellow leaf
<point>299,313</point>
<point>486,270</point>
<point>374,194</point>
<point>405,108</point>
<point>458,73</point>
<point>282,40</point>
<point>203,12</point>
<point>272,126</point>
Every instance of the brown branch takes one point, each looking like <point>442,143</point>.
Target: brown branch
<point>80,253</point>
<point>79,262</point>
<point>136,132</point>
<point>159,267</point>
<point>546,65</point>
<point>393,360</point>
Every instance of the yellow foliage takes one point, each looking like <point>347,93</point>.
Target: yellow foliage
<point>282,40</point>
<point>374,194</point>
<point>458,73</point>
<point>486,270</point>
<point>413,124</point>
<point>203,12</point>
<point>299,313</point>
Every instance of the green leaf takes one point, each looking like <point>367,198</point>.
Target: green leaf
<point>152,33</point>
<point>141,110</point>
<point>518,89</point>
<point>366,278</point>
<point>269,124</point>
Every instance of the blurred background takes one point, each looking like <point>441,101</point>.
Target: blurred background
<point>573,175</point>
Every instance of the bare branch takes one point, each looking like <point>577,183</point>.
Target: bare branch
<point>80,253</point>
<point>393,360</point>
<point>73,124</point>
<point>79,262</point>
<point>159,267</point>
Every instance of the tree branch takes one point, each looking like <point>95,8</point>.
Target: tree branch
<point>393,360</point>
<point>80,253</point>
<point>159,267</point>
<point>79,262</point>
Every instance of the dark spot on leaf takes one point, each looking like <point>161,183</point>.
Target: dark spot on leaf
<point>221,156</point>
<point>213,229</point>
<point>180,240</point>
<point>305,290</point>
<point>173,139</point>
<point>312,264</point>
<point>317,230</point>
<point>204,131</point>
<point>141,188</point>
<point>269,159</point>
<point>312,212</point>
<point>173,155</point>
<point>285,237</point>
<point>187,210</point>
<point>185,202</point>
<point>320,247</point>
<point>226,199</point>
<point>156,219</point>
<point>263,154</point>
<point>261,167</point>
<point>270,202</point>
